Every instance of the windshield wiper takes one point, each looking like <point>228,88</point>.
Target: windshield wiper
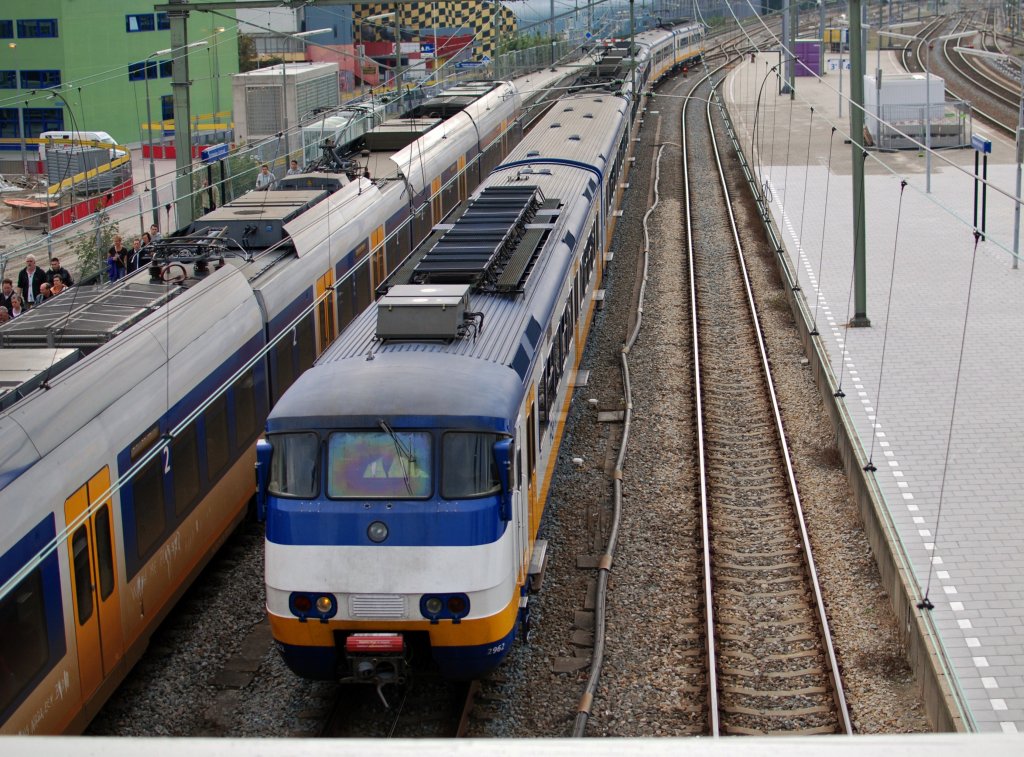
<point>404,455</point>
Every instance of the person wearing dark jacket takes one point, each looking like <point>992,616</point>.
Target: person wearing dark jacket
<point>30,279</point>
<point>57,270</point>
<point>7,294</point>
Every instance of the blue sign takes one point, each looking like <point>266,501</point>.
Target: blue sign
<point>426,47</point>
<point>981,144</point>
<point>469,64</point>
<point>485,59</point>
<point>213,153</point>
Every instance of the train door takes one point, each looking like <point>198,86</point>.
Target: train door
<point>530,466</point>
<point>378,258</point>
<point>94,590</point>
<point>325,320</point>
<point>436,202</point>
<point>463,179</point>
<point>519,513</point>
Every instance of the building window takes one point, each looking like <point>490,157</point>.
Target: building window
<point>137,71</point>
<point>8,79</point>
<point>44,79</point>
<point>167,107</point>
<point>37,27</point>
<point>9,123</point>
<point>6,29</point>
<point>38,120</point>
<point>165,69</point>
<point>139,22</point>
<point>163,23</point>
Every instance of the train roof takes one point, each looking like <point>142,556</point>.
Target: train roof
<point>22,371</point>
<point>555,170</point>
<point>391,384</point>
<point>86,317</point>
<point>42,421</point>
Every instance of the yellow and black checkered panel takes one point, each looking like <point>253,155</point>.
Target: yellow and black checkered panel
<point>470,17</point>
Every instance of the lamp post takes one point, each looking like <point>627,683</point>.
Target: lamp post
<point>215,52</point>
<point>1019,141</point>
<point>928,99</point>
<point>149,125</point>
<point>842,22</point>
<point>284,85</point>
<point>21,118</point>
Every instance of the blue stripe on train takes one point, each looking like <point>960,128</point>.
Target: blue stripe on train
<point>435,523</point>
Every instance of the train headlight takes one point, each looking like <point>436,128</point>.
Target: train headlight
<point>377,532</point>
<point>433,606</point>
<point>324,604</point>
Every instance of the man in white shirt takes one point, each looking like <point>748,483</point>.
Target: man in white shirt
<point>265,179</point>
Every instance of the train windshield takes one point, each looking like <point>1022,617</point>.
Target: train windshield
<point>374,464</point>
<point>469,466</point>
<point>293,465</point>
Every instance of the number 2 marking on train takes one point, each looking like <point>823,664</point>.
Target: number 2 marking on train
<point>167,459</point>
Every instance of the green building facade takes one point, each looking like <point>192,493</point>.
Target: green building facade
<point>82,64</point>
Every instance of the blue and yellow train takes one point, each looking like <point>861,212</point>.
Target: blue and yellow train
<point>184,360</point>
<point>404,476</point>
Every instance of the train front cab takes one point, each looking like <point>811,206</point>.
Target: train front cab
<point>433,577</point>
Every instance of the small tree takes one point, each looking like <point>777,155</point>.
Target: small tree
<point>91,248</point>
<point>247,57</point>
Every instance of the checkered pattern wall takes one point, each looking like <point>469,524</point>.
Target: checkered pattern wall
<point>462,17</point>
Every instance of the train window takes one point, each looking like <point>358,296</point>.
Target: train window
<point>24,637</point>
<point>185,469</point>
<point>284,373</point>
<point>346,304</point>
<point>216,418</point>
<point>513,455</point>
<point>246,423</point>
<point>531,447</point>
<point>83,574</point>
<point>361,279</point>
<point>148,497</point>
<point>104,552</point>
<point>293,465</point>
<point>467,465</point>
<point>305,337</point>
<point>372,464</point>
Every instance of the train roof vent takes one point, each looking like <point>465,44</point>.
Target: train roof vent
<point>483,247</point>
<point>420,311</point>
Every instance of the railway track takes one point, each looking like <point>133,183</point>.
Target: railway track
<point>989,90</point>
<point>425,708</point>
<point>771,666</point>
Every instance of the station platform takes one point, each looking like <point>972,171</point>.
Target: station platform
<point>931,399</point>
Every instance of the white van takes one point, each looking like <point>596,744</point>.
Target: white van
<point>79,136</point>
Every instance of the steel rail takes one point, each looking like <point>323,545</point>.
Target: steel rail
<point>839,697</point>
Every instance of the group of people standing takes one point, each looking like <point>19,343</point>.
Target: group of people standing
<point>123,260</point>
<point>35,286</point>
